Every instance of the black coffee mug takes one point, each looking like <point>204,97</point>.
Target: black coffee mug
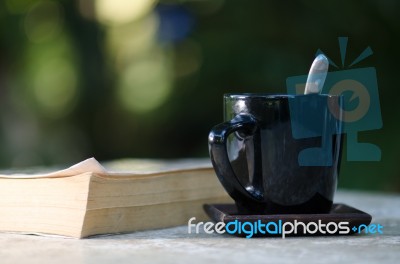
<point>279,153</point>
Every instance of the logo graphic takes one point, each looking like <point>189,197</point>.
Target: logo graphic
<point>360,108</point>
<point>279,227</point>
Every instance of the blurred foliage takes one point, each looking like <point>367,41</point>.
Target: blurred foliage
<point>145,78</point>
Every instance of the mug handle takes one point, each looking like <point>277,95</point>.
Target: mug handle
<point>219,156</point>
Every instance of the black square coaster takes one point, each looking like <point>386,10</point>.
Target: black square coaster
<point>342,220</point>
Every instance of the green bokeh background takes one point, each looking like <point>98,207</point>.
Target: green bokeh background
<point>83,78</point>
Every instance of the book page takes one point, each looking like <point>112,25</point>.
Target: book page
<point>151,166</point>
<point>123,167</point>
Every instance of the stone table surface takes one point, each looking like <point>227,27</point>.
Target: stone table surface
<point>175,245</point>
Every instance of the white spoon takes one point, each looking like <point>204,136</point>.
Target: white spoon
<point>317,75</point>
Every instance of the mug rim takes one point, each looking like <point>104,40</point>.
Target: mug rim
<point>272,95</point>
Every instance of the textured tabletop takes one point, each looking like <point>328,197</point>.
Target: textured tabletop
<point>175,245</point>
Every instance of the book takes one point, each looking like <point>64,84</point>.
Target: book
<point>122,196</point>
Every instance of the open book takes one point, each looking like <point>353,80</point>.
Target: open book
<point>123,196</point>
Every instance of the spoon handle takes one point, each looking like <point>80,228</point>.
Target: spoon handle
<point>317,75</point>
